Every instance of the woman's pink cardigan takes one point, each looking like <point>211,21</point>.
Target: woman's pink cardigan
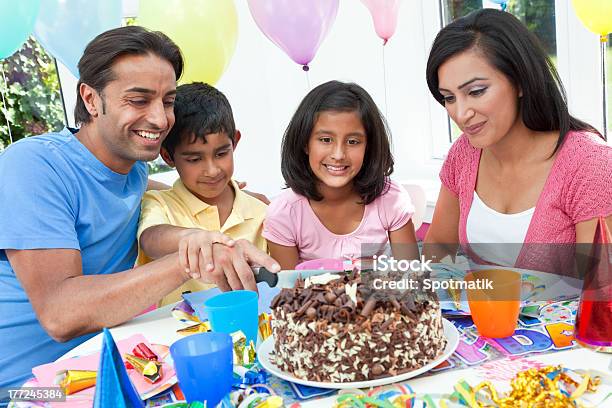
<point>578,188</point>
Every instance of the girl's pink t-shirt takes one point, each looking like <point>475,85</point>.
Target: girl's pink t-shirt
<point>290,221</point>
<point>578,188</point>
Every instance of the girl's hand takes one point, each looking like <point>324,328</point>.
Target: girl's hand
<point>195,251</point>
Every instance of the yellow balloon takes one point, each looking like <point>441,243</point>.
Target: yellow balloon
<point>596,15</point>
<point>205,30</point>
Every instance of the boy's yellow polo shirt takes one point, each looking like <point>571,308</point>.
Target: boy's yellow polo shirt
<point>179,207</point>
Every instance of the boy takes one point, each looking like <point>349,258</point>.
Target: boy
<point>201,146</point>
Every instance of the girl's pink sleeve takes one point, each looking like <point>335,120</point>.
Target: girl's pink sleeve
<point>397,207</point>
<point>589,192</point>
<point>279,224</point>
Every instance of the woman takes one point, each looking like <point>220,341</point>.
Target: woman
<point>524,170</point>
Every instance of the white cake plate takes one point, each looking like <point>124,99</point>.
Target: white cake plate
<point>266,348</point>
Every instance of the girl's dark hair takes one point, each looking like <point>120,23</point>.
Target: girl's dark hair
<point>513,50</point>
<point>372,179</point>
<point>95,66</point>
<point>199,110</point>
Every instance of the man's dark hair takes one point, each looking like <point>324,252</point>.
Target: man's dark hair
<point>513,50</point>
<point>95,66</point>
<point>335,96</point>
<point>199,110</point>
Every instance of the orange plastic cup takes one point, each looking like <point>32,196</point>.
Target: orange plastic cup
<point>494,301</point>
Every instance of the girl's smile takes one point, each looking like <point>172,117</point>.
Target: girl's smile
<point>336,170</point>
<point>336,148</point>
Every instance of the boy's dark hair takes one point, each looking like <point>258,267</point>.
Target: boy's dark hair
<point>372,179</point>
<point>199,110</point>
<point>513,50</point>
<point>95,66</point>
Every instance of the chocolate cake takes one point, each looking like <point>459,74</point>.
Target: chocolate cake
<point>336,329</point>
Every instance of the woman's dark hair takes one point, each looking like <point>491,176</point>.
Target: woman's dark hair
<point>513,50</point>
<point>372,179</point>
<point>199,110</point>
<point>95,66</point>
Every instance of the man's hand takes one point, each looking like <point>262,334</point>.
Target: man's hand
<point>232,265</point>
<point>196,251</point>
<point>156,185</point>
<point>260,197</point>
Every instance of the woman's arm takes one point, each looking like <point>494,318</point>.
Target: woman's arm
<point>585,231</point>
<point>442,238</point>
<point>286,256</point>
<point>585,234</point>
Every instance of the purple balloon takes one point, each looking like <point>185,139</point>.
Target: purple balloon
<point>297,27</point>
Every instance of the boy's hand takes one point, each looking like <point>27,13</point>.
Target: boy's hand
<point>196,251</point>
<point>232,265</point>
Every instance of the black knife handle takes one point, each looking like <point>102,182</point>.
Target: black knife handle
<point>264,275</point>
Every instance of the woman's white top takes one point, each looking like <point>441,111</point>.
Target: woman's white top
<point>496,237</point>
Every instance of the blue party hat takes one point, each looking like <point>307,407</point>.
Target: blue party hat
<point>113,387</point>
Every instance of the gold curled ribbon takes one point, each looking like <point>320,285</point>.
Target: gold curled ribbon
<point>203,327</point>
<point>150,370</point>
<point>265,327</point>
<point>534,388</point>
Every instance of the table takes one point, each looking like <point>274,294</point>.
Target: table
<point>159,326</point>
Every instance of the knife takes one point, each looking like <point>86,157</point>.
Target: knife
<point>287,278</point>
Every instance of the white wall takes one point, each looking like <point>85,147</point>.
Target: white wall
<point>265,86</point>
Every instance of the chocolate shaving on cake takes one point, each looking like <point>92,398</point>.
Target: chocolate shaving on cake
<point>322,334</point>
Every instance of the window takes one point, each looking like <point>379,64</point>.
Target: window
<point>573,49</point>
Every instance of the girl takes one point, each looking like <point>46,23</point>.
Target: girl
<point>336,159</point>
<point>524,171</point>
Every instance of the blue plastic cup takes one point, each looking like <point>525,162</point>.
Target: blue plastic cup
<point>204,366</point>
<point>232,311</point>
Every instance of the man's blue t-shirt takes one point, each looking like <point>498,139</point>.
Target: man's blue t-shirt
<point>54,193</point>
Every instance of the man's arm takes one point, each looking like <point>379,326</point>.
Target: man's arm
<point>156,185</point>
<point>69,304</point>
<point>226,265</point>
<point>259,196</point>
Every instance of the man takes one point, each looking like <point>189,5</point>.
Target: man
<point>70,203</point>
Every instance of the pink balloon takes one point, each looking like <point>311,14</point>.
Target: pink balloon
<point>297,27</point>
<point>384,14</point>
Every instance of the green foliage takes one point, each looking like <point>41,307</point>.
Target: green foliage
<point>158,166</point>
<point>459,8</point>
<point>33,100</point>
<point>539,17</point>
